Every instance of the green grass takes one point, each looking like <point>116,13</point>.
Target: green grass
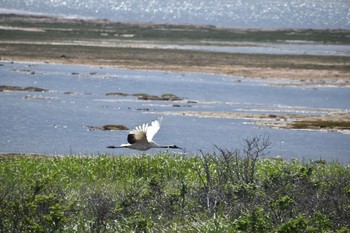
<point>228,191</point>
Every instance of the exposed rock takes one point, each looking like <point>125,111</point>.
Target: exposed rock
<point>114,127</point>
<point>142,109</point>
<point>16,88</point>
<point>10,88</point>
<point>73,93</point>
<point>182,105</point>
<point>170,97</point>
<point>116,94</point>
<point>35,89</point>
<point>164,97</point>
<point>106,127</point>
<point>143,96</point>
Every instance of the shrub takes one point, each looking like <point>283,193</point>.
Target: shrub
<point>225,191</point>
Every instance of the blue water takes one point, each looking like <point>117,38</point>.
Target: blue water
<point>54,122</point>
<point>224,13</point>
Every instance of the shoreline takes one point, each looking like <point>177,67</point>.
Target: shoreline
<point>50,40</point>
<point>144,46</point>
<point>277,77</point>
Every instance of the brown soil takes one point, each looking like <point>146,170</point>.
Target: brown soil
<point>279,69</point>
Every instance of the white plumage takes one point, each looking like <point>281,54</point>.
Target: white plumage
<point>141,138</point>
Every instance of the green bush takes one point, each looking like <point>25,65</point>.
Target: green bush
<point>227,191</point>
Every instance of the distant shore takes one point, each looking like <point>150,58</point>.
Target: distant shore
<point>105,44</point>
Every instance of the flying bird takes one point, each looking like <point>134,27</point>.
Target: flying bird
<point>141,138</point>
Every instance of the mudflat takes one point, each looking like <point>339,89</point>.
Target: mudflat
<point>148,46</point>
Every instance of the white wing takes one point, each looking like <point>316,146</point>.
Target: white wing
<point>153,129</point>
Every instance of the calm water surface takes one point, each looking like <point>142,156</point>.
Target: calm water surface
<point>224,13</point>
<point>55,122</point>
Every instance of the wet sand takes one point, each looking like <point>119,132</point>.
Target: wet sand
<point>280,70</point>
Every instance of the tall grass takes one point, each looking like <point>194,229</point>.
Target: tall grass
<point>226,191</point>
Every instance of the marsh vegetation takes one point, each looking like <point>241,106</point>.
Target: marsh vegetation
<point>225,191</point>
<point>148,46</point>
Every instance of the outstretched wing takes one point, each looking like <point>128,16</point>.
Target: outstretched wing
<point>144,133</point>
<point>138,135</point>
<point>153,129</point>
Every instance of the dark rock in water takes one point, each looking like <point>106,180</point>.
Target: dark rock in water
<point>142,109</point>
<point>182,105</point>
<point>73,93</point>
<point>70,93</point>
<point>170,97</point>
<point>10,88</point>
<point>164,97</point>
<point>107,127</point>
<point>116,94</point>
<point>15,88</point>
<point>35,89</point>
<point>143,96</point>
<point>114,127</point>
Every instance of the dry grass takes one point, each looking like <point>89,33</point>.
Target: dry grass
<point>321,125</point>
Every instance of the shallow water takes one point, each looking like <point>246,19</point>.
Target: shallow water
<point>289,47</point>
<point>54,122</point>
<point>223,13</point>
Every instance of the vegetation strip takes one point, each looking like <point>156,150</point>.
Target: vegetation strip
<point>227,191</point>
<point>333,121</point>
<point>104,43</point>
<point>321,124</point>
<point>16,88</point>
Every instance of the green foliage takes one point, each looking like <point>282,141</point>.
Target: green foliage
<point>228,191</point>
<point>298,224</point>
<point>253,221</point>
